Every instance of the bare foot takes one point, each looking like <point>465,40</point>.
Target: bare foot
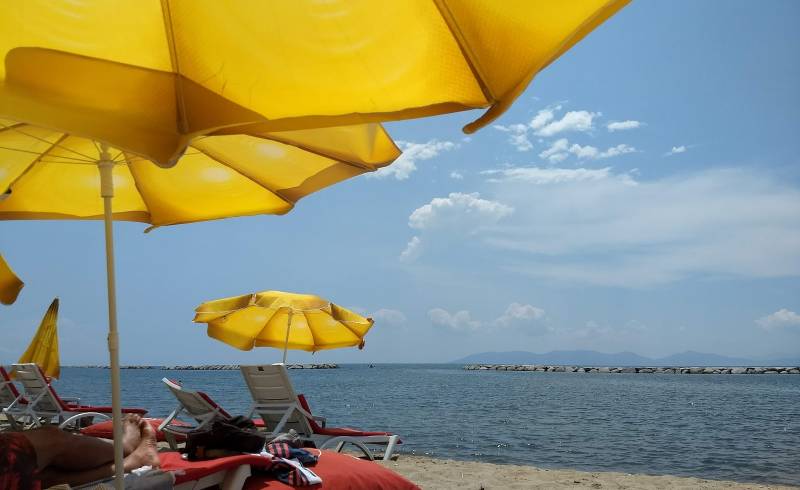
<point>146,453</point>
<point>131,434</point>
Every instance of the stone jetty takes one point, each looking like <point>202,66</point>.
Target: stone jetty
<point>633,370</point>
<point>216,367</point>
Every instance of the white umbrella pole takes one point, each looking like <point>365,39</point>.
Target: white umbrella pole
<point>106,166</point>
<point>286,343</point>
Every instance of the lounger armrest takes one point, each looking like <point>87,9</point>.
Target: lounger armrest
<point>71,400</point>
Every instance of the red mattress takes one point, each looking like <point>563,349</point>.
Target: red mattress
<point>338,472</point>
<point>105,429</point>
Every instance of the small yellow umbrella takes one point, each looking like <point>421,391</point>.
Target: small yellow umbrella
<point>43,349</point>
<point>10,284</point>
<point>282,320</point>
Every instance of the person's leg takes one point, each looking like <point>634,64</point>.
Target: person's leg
<point>145,454</point>
<point>74,452</point>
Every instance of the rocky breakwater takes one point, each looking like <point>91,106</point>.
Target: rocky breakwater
<point>633,370</point>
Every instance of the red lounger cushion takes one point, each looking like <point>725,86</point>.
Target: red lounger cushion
<point>194,470</point>
<point>105,430</point>
<point>335,431</point>
<point>90,408</point>
<point>341,472</point>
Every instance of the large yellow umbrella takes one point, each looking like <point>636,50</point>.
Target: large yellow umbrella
<point>282,320</point>
<point>10,284</point>
<point>50,174</point>
<point>148,75</point>
<point>43,349</point>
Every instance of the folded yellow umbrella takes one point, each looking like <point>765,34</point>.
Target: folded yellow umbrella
<point>43,349</point>
<point>49,174</point>
<point>282,320</point>
<point>148,75</point>
<point>10,284</point>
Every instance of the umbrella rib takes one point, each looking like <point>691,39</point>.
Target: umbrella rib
<point>169,33</point>
<point>221,160</point>
<point>3,127</point>
<point>35,161</point>
<point>58,144</point>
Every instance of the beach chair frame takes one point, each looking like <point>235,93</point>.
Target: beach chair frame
<point>194,404</point>
<point>278,405</point>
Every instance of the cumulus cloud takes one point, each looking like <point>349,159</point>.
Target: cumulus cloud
<point>391,317</point>
<point>406,164</point>
<point>456,175</point>
<point>675,150</point>
<point>572,121</point>
<point>781,319</point>
<point>412,251</point>
<point>518,136</point>
<point>459,321</point>
<point>543,117</point>
<point>557,151</point>
<point>623,125</point>
<point>519,313</point>
<point>458,210</point>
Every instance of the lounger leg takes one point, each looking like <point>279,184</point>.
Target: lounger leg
<point>387,455</point>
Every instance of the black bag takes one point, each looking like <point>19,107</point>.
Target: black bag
<point>237,435</point>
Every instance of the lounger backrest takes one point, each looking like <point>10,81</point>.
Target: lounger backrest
<point>37,390</point>
<point>271,387</point>
<point>8,392</point>
<point>196,403</point>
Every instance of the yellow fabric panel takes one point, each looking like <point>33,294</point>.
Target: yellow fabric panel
<point>43,349</point>
<point>125,31</point>
<point>288,171</point>
<point>260,320</point>
<point>201,188</point>
<point>10,284</point>
<point>336,57</point>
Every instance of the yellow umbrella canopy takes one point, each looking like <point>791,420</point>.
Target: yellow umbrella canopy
<point>47,174</point>
<point>10,284</point>
<point>282,320</point>
<point>147,75</point>
<point>43,349</point>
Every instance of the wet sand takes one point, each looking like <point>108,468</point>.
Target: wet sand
<point>443,474</point>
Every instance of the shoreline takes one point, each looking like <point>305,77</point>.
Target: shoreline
<point>558,368</point>
<point>448,474</point>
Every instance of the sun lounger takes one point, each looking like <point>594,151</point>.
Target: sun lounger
<point>281,409</point>
<point>12,401</point>
<point>44,404</point>
<point>194,404</point>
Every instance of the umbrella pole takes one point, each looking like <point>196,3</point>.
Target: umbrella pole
<point>286,343</point>
<point>106,166</point>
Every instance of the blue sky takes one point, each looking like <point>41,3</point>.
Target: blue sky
<point>643,194</point>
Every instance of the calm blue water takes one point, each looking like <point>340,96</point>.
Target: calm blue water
<point>744,428</point>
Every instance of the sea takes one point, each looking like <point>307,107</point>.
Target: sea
<point>726,427</point>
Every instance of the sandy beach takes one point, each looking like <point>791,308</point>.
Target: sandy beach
<point>444,474</point>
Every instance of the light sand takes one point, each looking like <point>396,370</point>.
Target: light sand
<point>443,474</point>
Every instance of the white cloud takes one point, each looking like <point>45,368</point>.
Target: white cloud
<point>456,175</point>
<point>543,117</point>
<point>518,136</point>
<point>412,251</point>
<point>595,226</point>
<point>580,121</point>
<point>782,318</point>
<point>406,164</point>
<point>675,150</point>
<point>519,313</point>
<point>623,125</point>
<point>617,150</point>
<point>391,317</point>
<point>458,210</point>
<point>459,321</point>
<point>557,151</point>
<point>545,176</point>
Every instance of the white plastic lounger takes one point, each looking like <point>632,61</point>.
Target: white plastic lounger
<point>12,401</point>
<point>44,404</point>
<point>281,409</point>
<point>194,404</point>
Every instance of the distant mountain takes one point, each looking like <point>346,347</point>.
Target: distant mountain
<point>594,358</point>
